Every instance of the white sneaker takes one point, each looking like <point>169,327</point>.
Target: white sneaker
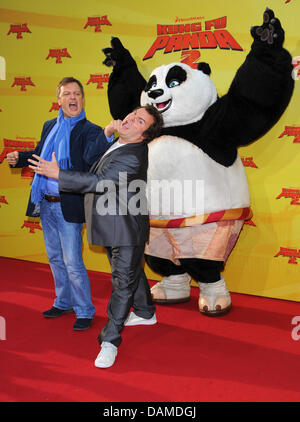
<point>134,319</point>
<point>107,355</point>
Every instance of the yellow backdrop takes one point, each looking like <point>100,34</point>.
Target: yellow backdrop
<point>41,42</point>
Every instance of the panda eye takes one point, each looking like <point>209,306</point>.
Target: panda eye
<point>151,84</point>
<point>173,83</point>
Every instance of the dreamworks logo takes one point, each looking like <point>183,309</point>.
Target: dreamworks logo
<point>160,198</point>
<point>2,68</point>
<point>2,328</point>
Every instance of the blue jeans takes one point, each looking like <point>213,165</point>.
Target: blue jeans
<point>63,243</point>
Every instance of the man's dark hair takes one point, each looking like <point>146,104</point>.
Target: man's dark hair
<point>68,80</point>
<point>155,129</point>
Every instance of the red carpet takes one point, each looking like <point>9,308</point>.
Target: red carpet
<point>248,355</point>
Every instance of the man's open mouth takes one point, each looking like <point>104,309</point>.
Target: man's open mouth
<point>73,107</point>
<point>125,124</point>
<point>162,107</point>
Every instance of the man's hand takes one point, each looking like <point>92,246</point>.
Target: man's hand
<point>12,158</point>
<point>112,127</point>
<point>45,168</point>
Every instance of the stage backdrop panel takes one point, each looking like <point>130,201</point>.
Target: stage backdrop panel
<point>41,42</point>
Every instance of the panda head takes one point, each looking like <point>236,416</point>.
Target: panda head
<point>182,94</point>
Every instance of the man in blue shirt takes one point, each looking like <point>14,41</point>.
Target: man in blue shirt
<point>77,143</point>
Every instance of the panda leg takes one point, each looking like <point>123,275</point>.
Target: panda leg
<point>214,298</point>
<point>175,285</point>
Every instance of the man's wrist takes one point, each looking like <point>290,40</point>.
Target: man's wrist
<point>109,135</point>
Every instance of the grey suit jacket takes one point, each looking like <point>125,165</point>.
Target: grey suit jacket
<point>115,198</point>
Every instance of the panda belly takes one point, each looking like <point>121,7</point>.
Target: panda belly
<point>183,181</point>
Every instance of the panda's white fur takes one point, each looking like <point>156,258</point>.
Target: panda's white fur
<point>189,100</point>
<point>173,159</point>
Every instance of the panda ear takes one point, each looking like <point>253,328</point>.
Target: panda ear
<point>204,67</point>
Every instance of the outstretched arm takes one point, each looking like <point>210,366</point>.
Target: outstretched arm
<point>85,182</point>
<point>261,89</point>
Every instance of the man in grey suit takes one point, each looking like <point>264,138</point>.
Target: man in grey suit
<point>117,218</point>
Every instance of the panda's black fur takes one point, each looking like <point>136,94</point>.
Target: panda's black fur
<point>125,82</point>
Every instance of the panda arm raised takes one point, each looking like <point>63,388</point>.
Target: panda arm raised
<point>261,89</point>
<point>125,82</point>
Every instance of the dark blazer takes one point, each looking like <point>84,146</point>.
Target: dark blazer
<point>87,144</point>
<point>107,185</point>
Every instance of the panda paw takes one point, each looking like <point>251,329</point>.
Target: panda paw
<point>113,53</point>
<point>270,32</point>
<point>108,60</point>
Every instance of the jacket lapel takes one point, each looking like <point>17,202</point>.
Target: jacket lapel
<point>97,164</point>
<point>76,131</point>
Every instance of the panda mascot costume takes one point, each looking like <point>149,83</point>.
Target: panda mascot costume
<point>199,142</point>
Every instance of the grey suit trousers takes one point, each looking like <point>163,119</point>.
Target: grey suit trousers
<point>130,289</point>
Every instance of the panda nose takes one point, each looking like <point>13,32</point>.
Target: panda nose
<point>155,93</point>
